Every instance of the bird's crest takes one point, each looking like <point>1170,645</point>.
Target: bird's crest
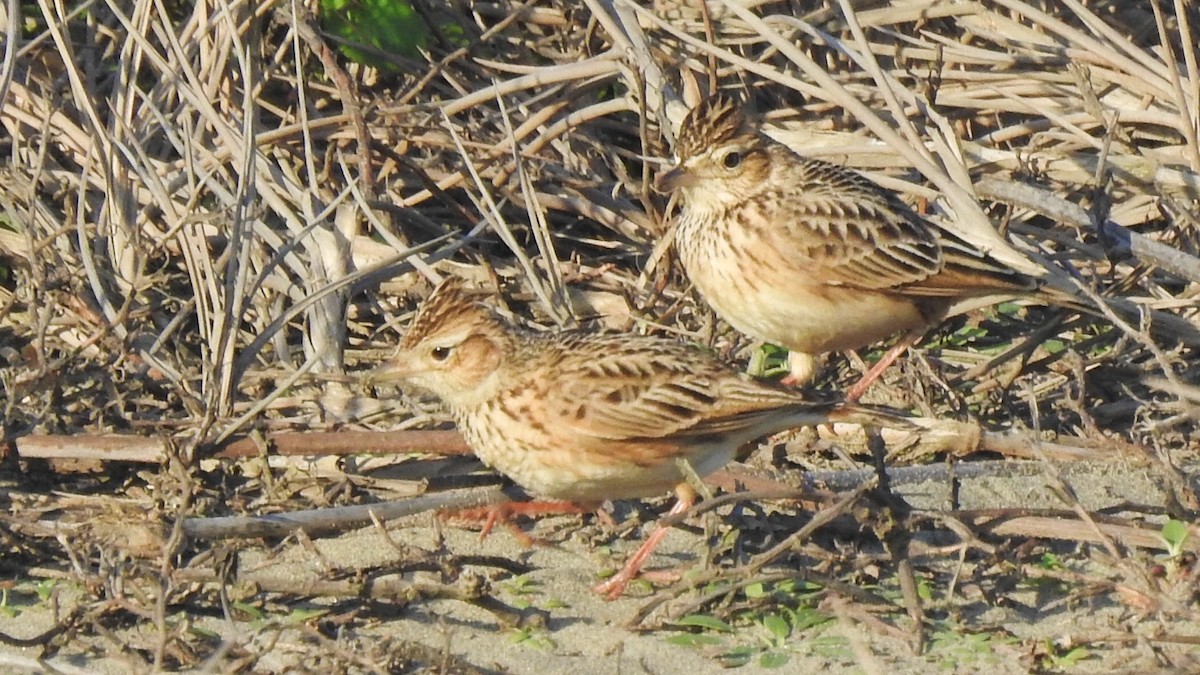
<point>717,120</point>
<point>451,305</point>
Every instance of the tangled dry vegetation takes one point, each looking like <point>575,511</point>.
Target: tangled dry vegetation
<point>209,215</point>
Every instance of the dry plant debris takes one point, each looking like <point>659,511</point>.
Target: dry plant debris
<point>210,221</point>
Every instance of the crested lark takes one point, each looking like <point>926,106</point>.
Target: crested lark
<point>813,256</point>
<point>588,417</point>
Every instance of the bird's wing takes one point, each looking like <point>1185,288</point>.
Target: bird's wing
<point>847,231</point>
<point>650,389</point>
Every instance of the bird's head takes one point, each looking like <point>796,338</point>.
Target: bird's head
<point>453,349</point>
<point>721,160</point>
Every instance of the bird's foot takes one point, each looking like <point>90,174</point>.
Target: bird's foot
<point>490,516</point>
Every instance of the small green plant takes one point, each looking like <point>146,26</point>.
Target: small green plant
<point>522,589</point>
<point>925,589</point>
<point>530,637</point>
<point>705,622</point>
<point>23,596</point>
<point>1055,657</point>
<point>251,612</point>
<point>772,649</point>
<point>1174,533</point>
<point>1008,308</point>
<point>953,649</point>
<point>1054,346</point>
<point>1046,583</point>
<point>371,29</point>
<point>768,361</point>
<point>711,638</point>
<point>45,588</point>
<point>1049,561</point>
<point>767,638</point>
<point>519,585</point>
<point>303,614</point>
<point>778,630</point>
<point>258,617</point>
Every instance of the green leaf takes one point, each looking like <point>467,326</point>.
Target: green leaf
<point>1054,346</point>
<point>388,26</point>
<point>1008,308</point>
<point>1050,561</point>
<point>693,640</point>
<point>807,617</point>
<point>530,637</point>
<point>255,613</point>
<point>807,589</point>
<point>704,621</point>
<point>738,656</point>
<point>1073,657</point>
<point>304,614</point>
<point>774,659</point>
<point>777,626</point>
<point>44,588</point>
<point>832,646</point>
<point>755,590</point>
<point>768,361</point>
<point>1175,533</point>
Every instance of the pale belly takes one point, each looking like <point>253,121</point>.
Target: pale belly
<point>788,308</point>
<point>584,475</point>
<point>811,322</point>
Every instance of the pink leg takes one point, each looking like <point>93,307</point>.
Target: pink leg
<point>884,363</point>
<point>614,587</point>
<point>502,513</point>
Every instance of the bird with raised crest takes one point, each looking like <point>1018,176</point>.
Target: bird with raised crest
<point>816,257</point>
<point>588,417</point>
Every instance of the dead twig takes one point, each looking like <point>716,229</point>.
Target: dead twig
<point>150,450</point>
<point>321,522</point>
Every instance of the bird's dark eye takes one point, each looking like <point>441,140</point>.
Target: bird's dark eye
<point>440,353</point>
<point>732,160</point>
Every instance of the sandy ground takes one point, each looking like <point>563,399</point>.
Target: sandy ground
<point>569,629</point>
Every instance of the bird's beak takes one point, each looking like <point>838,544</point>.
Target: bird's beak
<point>673,180</point>
<point>396,369</point>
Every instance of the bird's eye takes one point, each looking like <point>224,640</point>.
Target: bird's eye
<point>732,160</point>
<point>440,353</point>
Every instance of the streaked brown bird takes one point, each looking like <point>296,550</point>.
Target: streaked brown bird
<point>587,417</point>
<point>813,256</point>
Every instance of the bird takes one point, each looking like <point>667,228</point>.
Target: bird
<point>587,417</point>
<point>813,256</point>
